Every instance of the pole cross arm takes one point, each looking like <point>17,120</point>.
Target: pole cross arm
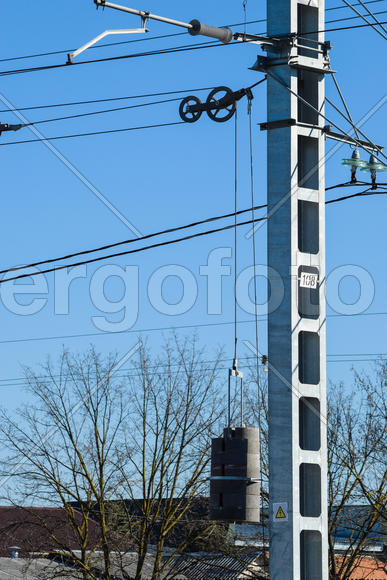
<point>349,140</point>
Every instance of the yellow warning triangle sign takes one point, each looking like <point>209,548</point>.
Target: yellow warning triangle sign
<point>280,514</point>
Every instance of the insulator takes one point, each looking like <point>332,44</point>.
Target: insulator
<point>223,34</point>
<point>235,476</point>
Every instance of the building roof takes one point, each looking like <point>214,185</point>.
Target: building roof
<point>23,569</point>
<point>40,529</point>
<point>219,567</point>
<point>368,568</point>
<point>352,520</point>
<point>38,568</point>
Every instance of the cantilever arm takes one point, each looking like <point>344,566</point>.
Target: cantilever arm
<point>72,55</point>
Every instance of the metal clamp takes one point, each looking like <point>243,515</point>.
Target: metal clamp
<point>234,372</point>
<point>7,127</point>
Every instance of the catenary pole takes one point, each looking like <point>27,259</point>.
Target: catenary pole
<point>296,63</point>
<point>296,260</point>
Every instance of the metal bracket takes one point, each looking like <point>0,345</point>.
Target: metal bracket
<point>310,64</point>
<point>144,19</point>
<point>256,39</point>
<point>346,139</point>
<point>84,47</point>
<point>234,478</point>
<point>280,124</point>
<point>234,371</point>
<point>7,127</point>
<point>264,62</point>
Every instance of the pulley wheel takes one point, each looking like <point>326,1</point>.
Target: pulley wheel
<point>184,112</point>
<point>223,97</point>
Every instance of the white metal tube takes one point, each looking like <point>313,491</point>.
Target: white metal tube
<point>101,36</point>
<point>143,14</point>
<point>194,27</point>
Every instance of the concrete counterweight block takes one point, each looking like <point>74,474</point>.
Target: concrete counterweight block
<point>235,474</point>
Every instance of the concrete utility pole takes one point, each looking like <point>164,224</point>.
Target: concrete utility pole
<point>296,251</point>
<point>296,64</point>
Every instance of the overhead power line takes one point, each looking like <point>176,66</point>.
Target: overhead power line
<point>380,32</point>
<point>355,4</point>
<point>346,18</point>
<point>349,119</point>
<point>362,193</point>
<point>131,372</point>
<point>308,104</point>
<point>132,240</point>
<point>338,29</point>
<point>105,132</point>
<point>162,36</point>
<point>165,328</point>
<point>123,42</point>
<point>107,100</point>
<point>170,50</point>
<point>372,14</point>
<point>101,112</point>
<point>127,252</point>
<point>169,231</point>
<point>158,125</point>
<point>148,236</point>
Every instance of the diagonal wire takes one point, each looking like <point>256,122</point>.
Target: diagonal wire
<point>356,129</point>
<point>361,145</point>
<point>366,117</point>
<point>131,240</point>
<point>106,100</point>
<point>345,104</point>
<point>373,16</point>
<point>46,140</point>
<point>127,252</point>
<point>253,238</point>
<point>364,193</point>
<point>235,232</point>
<point>358,183</point>
<point>101,112</point>
<point>74,170</point>
<point>365,19</point>
<point>255,302</point>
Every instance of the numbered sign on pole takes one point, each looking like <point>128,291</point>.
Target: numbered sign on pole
<point>308,280</point>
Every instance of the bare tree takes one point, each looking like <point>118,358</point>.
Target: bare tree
<point>175,408</point>
<point>129,451</point>
<point>357,475</point>
<point>63,449</point>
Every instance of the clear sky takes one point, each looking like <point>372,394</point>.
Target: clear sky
<point>160,178</point>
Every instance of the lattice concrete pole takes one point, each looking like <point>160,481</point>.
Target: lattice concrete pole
<point>296,252</point>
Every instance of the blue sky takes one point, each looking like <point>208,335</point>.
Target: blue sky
<point>162,177</point>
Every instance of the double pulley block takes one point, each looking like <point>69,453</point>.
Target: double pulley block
<point>220,105</point>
